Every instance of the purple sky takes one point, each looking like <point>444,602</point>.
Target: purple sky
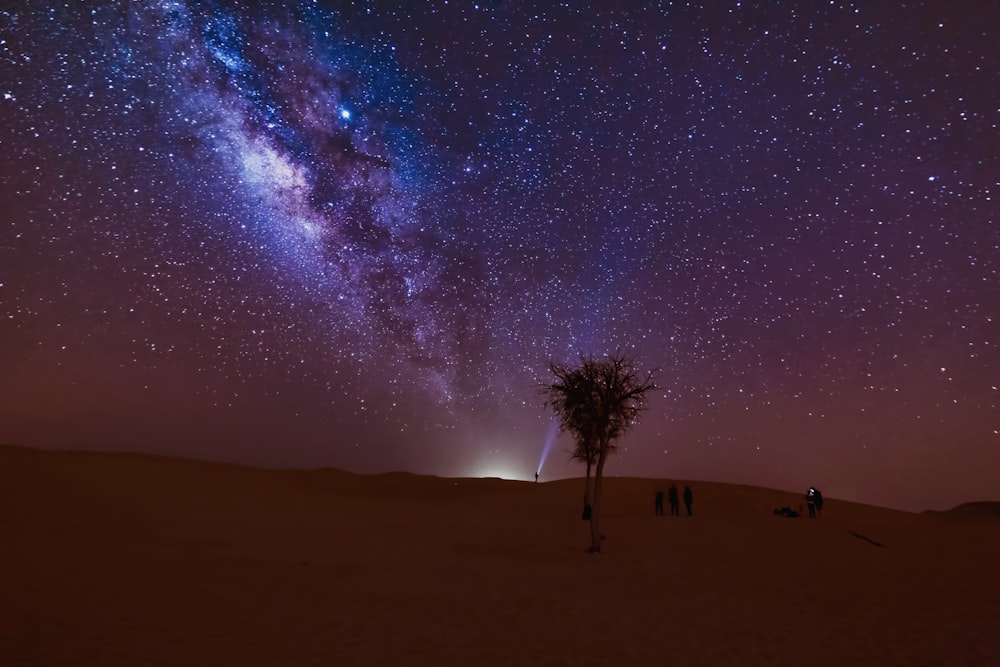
<point>354,235</point>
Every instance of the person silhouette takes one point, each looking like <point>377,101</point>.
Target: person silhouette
<point>659,503</point>
<point>819,504</point>
<point>688,498</point>
<point>811,501</point>
<point>536,477</point>
<point>674,503</point>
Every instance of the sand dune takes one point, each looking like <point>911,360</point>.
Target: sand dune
<point>976,510</point>
<point>124,559</point>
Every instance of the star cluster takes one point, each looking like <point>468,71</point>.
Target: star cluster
<point>351,234</point>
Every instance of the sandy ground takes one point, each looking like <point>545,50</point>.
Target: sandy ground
<point>119,559</point>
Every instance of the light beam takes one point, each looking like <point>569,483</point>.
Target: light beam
<point>550,437</point>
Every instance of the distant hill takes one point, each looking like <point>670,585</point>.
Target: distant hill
<point>626,494</point>
<point>983,509</point>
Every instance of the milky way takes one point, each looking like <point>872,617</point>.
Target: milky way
<point>354,235</point>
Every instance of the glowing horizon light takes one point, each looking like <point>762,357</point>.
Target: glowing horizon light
<point>500,471</point>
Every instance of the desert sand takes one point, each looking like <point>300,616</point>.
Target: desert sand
<point>126,559</point>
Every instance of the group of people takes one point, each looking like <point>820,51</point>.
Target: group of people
<point>814,501</point>
<point>674,498</point>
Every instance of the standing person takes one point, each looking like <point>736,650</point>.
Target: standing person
<point>819,503</point>
<point>536,477</point>
<point>674,503</point>
<point>811,501</point>
<point>688,498</point>
<point>659,503</point>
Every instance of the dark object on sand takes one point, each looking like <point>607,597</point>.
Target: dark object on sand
<point>786,512</point>
<point>866,539</point>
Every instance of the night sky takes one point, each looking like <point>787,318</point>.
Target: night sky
<point>352,235</point>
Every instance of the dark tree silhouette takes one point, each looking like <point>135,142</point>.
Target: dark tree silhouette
<point>597,401</point>
<point>586,451</point>
<point>567,398</point>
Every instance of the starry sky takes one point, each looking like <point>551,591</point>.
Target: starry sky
<point>349,234</point>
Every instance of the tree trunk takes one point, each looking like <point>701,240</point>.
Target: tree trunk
<point>595,516</point>
<point>586,494</point>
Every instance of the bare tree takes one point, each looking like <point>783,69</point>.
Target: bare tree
<point>597,401</point>
<point>586,451</point>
